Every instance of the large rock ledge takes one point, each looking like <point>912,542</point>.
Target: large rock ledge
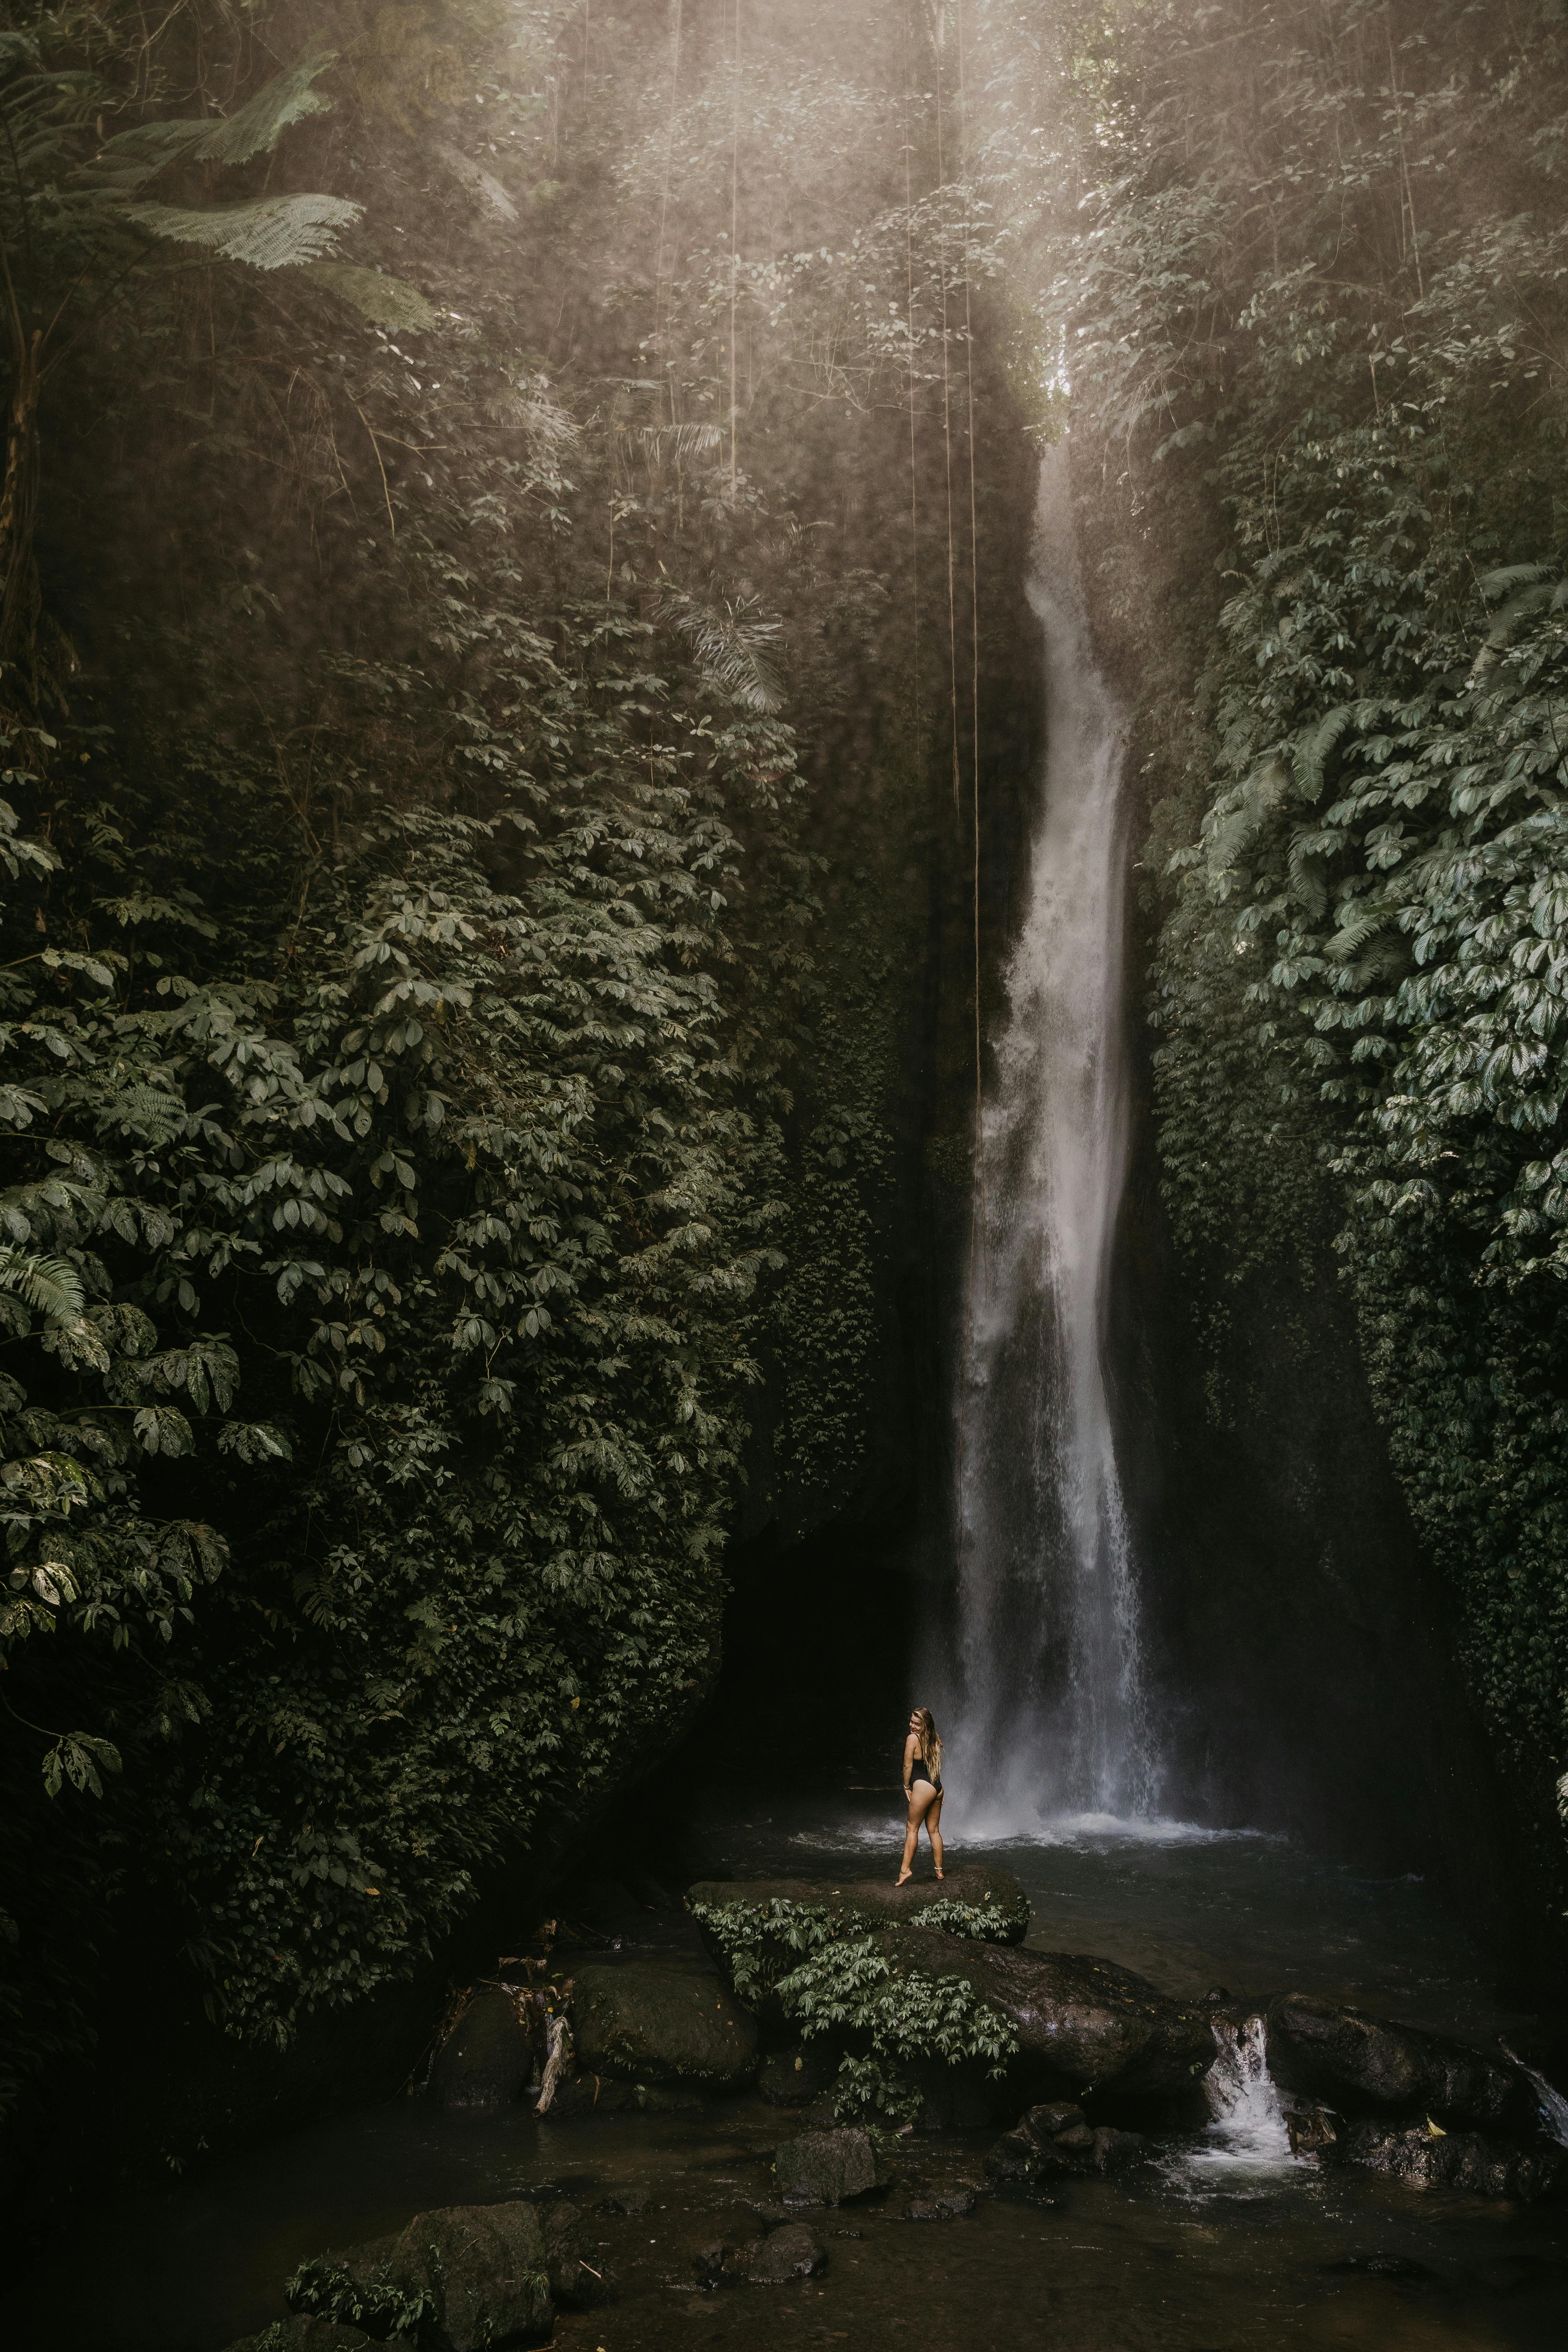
<point>1002,1903</point>
<point>662,2023</point>
<point>1365,2064</point>
<point>1083,2024</point>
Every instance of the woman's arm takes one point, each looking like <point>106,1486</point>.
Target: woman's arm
<point>911,1749</point>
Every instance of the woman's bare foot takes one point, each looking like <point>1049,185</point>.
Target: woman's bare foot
<point>941,1873</point>
<point>902,1877</point>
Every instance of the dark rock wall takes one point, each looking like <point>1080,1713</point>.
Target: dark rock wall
<point>1302,1647</point>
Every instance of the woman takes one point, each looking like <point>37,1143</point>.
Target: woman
<point>922,1787</point>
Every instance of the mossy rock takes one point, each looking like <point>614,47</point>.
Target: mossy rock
<point>1081,2022</point>
<point>826,2168</point>
<point>464,2278</point>
<point>486,2060</point>
<point>657,2022</point>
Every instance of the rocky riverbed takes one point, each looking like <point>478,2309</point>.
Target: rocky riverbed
<point>1332,2178</point>
<point>709,2008</point>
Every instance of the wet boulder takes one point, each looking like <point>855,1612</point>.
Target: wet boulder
<point>1339,2054</point>
<point>658,2021</point>
<point>1082,2023</point>
<point>941,2205</point>
<point>465,2278</point>
<point>826,2168</point>
<point>1425,2159</point>
<point>1054,2143</point>
<point>792,2253</point>
<point>577,2282</point>
<point>1314,2131</point>
<point>1014,2162</point>
<point>304,2334</point>
<point>488,2059</point>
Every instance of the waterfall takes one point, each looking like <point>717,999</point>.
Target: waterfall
<point>1051,1716</point>
<point>1554,2108</point>
<point>1248,2126</point>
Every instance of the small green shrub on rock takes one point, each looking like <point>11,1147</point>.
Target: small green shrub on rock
<point>841,1983</point>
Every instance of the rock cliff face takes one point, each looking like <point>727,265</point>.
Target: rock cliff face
<point>1302,1647</point>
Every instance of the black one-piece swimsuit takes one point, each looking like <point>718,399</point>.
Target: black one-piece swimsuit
<point>917,1772</point>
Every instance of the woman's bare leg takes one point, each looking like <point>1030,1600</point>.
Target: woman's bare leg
<point>921,1797</point>
<point>934,1832</point>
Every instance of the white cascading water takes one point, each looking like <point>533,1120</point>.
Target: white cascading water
<point>1248,2132</point>
<point>1051,1720</point>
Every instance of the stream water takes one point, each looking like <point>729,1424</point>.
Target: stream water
<point>1222,2244</point>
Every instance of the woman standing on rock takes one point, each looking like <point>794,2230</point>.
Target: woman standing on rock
<point>922,1787</point>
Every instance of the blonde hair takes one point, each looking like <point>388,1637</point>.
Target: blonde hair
<point>930,1748</point>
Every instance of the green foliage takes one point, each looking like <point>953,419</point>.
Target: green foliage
<point>417,1044</point>
<point>759,1941</point>
<point>899,2016</point>
<point>391,2313</point>
<point>842,1985</point>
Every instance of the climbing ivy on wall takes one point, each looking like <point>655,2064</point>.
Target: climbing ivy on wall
<point>448,664</point>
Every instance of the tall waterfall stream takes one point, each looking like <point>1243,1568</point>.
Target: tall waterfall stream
<point>1052,1716</point>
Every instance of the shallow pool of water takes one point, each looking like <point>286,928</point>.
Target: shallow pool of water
<point>1222,2244</point>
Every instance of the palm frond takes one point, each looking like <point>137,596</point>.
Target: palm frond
<point>732,649</point>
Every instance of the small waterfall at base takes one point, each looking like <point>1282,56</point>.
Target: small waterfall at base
<point>1554,2108</point>
<point>1051,1718</point>
<point>1248,2132</point>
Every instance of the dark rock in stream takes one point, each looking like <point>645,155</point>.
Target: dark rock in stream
<point>1083,2023</point>
<point>1340,2053</point>
<point>1054,2143</point>
<point>826,2168</point>
<point>1313,2131</point>
<point>487,2060</point>
<point>788,2254</point>
<point>662,2022</point>
<point>1486,2168</point>
<point>944,2205</point>
<point>788,2251</point>
<point>470,2278</point>
<point>574,2282</point>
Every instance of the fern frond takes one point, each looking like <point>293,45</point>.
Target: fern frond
<point>124,163</point>
<point>261,121</point>
<point>1307,883</point>
<point>1508,576</point>
<point>386,301</point>
<point>273,233</point>
<point>51,1286</point>
<point>679,440</point>
<point>132,157</point>
<point>733,650</point>
<point>1355,930</point>
<point>1311,750</point>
